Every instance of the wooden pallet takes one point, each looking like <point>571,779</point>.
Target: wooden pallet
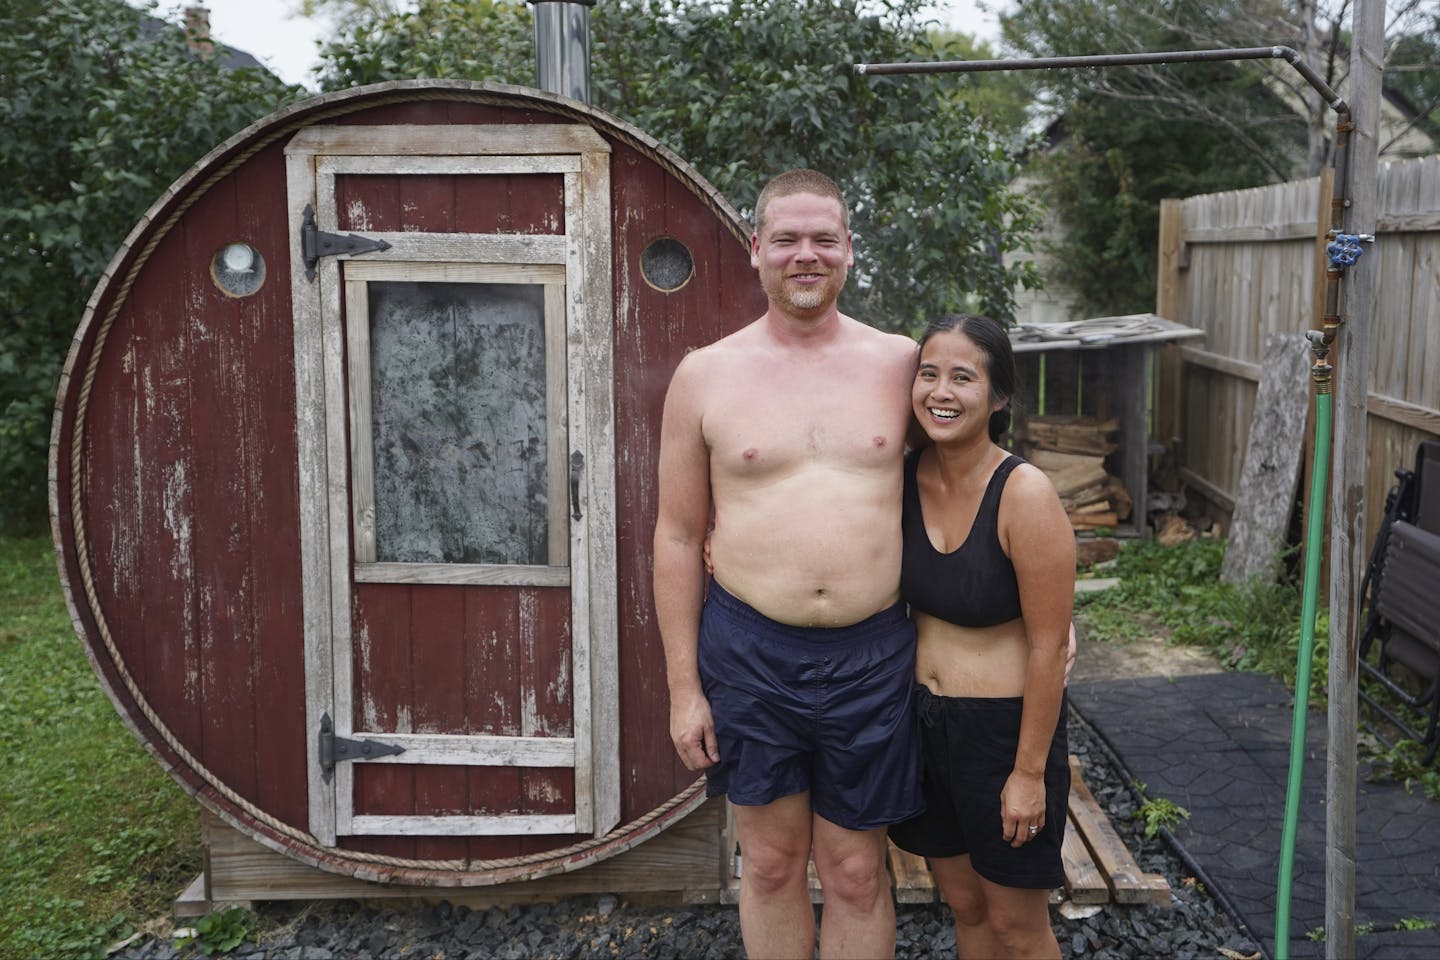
<point>1124,880</point>
<point>1099,868</point>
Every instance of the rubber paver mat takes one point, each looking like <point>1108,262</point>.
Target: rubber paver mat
<point>1219,746</point>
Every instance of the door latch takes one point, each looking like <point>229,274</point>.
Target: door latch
<point>577,466</point>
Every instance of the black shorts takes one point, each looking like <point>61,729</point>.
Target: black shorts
<point>968,751</point>
<point>812,708</point>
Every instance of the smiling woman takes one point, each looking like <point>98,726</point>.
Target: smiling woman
<point>989,574</point>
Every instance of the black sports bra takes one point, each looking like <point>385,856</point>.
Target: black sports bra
<point>973,585</point>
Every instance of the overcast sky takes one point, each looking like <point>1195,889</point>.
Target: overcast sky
<point>269,31</point>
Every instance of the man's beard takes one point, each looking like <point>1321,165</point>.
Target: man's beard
<point>808,297</point>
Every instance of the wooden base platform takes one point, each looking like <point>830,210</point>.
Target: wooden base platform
<point>695,861</point>
<point>681,864</point>
<point>1098,866</point>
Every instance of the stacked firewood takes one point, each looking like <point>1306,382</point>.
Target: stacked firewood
<point>1071,451</point>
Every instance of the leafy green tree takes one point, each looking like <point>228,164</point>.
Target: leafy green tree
<point>1125,138</point>
<point>744,89</point>
<point>1413,70</point>
<point>1105,178</point>
<point>1130,136</point>
<point>1003,98</point>
<point>380,40</point>
<point>102,108</point>
<point>1241,99</point>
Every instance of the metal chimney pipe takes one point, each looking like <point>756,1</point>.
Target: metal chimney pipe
<point>562,47</point>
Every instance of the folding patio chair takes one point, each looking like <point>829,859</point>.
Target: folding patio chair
<point>1401,590</point>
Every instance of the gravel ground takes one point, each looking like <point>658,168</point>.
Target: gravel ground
<point>1195,926</point>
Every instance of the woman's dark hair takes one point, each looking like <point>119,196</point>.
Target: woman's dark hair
<point>994,342</point>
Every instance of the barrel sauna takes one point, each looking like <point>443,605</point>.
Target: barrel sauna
<point>353,477</point>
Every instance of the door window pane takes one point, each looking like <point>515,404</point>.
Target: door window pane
<point>459,422</point>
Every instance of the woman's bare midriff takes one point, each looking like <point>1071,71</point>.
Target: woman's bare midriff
<point>955,661</point>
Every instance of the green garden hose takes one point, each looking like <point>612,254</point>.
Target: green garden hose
<point>1314,541</point>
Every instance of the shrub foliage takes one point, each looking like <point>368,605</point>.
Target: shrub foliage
<point>745,89</point>
<point>103,106</point>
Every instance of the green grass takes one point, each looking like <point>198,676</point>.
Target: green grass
<point>1176,592</point>
<point>97,837</point>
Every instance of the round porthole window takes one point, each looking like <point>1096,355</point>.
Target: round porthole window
<point>666,264</point>
<point>238,269</point>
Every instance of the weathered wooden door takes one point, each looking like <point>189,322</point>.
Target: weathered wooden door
<point>452,315</point>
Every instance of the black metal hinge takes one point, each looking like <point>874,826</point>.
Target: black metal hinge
<point>315,243</point>
<point>335,749</point>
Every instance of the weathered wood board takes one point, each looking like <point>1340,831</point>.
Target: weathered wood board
<point>913,883</point>
<point>1084,883</point>
<point>1127,882</point>
<point>1271,468</point>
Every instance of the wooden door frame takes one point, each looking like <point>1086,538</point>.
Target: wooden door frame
<point>321,400</point>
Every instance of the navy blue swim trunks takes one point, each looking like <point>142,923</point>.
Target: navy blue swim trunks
<point>969,748</point>
<point>823,709</point>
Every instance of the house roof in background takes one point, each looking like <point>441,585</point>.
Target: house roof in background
<point>162,31</point>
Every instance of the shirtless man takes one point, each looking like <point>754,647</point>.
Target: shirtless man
<point>790,682</point>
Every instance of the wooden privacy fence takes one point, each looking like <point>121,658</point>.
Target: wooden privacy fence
<point>1245,264</point>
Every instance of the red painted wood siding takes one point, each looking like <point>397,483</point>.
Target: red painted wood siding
<point>191,508</point>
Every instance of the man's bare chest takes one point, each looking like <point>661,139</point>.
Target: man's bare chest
<point>858,424</point>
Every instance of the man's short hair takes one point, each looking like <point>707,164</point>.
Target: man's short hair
<point>800,181</point>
